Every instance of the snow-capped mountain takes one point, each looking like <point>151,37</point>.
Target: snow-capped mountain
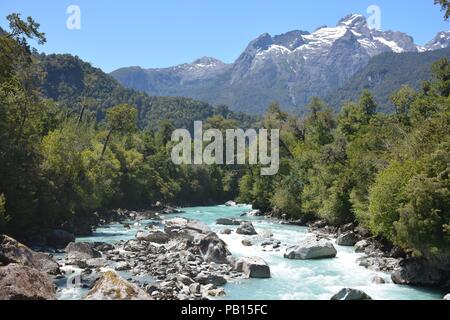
<point>441,41</point>
<point>289,68</point>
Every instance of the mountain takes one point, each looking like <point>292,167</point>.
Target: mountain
<point>385,74</point>
<point>289,68</point>
<point>441,41</point>
<point>73,82</point>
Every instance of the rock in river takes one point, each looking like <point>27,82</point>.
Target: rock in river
<point>418,271</point>
<point>210,278</point>
<point>81,251</point>
<point>347,239</point>
<point>19,282</point>
<point>246,228</point>
<point>112,287</point>
<point>311,248</point>
<point>12,251</point>
<point>212,248</point>
<point>156,236</point>
<point>228,222</point>
<point>351,294</point>
<point>184,228</point>
<point>253,267</point>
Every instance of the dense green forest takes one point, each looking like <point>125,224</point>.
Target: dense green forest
<point>390,173</point>
<point>75,84</point>
<point>74,142</point>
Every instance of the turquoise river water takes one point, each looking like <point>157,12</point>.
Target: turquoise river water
<point>291,279</point>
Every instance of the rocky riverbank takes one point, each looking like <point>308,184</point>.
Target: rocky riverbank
<point>181,259</point>
<point>380,255</point>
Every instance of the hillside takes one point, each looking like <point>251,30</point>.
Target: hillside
<point>73,83</point>
<point>385,74</point>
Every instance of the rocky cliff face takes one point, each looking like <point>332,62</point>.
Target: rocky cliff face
<point>289,68</point>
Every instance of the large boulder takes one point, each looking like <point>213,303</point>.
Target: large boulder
<point>228,222</point>
<point>447,297</point>
<point>12,251</point>
<point>19,282</point>
<point>246,228</point>
<point>361,246</point>
<point>212,248</point>
<point>351,294</point>
<point>81,251</point>
<point>184,228</point>
<point>59,239</point>
<point>311,248</point>
<point>347,239</point>
<point>419,272</point>
<point>205,278</point>
<point>112,287</point>
<point>156,236</point>
<point>252,267</point>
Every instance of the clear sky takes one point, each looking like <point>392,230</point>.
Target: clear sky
<point>161,33</point>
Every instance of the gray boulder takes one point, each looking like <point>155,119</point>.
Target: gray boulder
<point>112,287</point>
<point>212,248</point>
<point>155,236</point>
<point>246,228</point>
<point>311,248</point>
<point>378,280</point>
<point>184,228</point>
<point>253,267</point>
<point>419,272</point>
<point>12,251</point>
<point>228,222</point>
<point>347,239</point>
<point>361,246</point>
<point>351,294</point>
<point>19,282</point>
<point>81,251</point>
<point>210,278</point>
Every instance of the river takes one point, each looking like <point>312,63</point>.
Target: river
<point>291,279</point>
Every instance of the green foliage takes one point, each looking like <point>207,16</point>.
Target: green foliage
<point>445,6</point>
<point>4,218</point>
<point>386,197</point>
<point>390,173</point>
<point>425,217</point>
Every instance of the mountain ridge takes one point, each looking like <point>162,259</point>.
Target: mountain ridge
<point>289,68</point>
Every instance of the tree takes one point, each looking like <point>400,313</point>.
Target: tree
<point>445,6</point>
<point>22,30</point>
<point>441,74</point>
<point>4,218</point>
<point>402,100</point>
<point>121,119</point>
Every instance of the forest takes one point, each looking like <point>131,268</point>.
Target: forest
<point>67,157</point>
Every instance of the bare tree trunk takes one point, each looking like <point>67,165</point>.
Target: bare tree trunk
<point>80,118</point>
<point>106,143</point>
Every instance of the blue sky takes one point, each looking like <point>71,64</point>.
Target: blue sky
<point>161,33</point>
